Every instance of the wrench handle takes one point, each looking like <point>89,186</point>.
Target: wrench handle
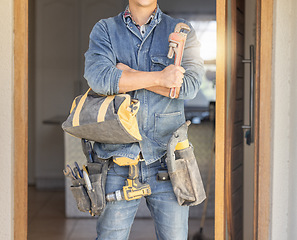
<point>177,62</point>
<point>176,46</point>
<point>172,93</point>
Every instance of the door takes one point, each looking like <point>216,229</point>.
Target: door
<point>234,122</point>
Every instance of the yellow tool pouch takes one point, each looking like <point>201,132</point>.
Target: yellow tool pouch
<point>105,119</point>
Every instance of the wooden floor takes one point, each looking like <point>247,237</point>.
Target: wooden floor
<point>47,221</point>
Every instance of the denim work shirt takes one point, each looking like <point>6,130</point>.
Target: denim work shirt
<point>118,40</point>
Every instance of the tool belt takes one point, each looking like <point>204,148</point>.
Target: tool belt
<point>90,196</point>
<point>183,170</point>
<point>104,119</point>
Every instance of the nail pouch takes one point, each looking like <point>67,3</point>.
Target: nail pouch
<point>186,179</point>
<point>80,195</point>
<point>97,175</point>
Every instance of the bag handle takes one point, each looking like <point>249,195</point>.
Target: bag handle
<point>75,121</point>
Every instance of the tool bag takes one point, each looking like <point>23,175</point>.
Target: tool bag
<point>105,119</point>
<point>183,169</point>
<point>91,200</point>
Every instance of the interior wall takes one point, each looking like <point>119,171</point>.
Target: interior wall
<point>284,120</point>
<point>292,217</point>
<point>6,119</point>
<point>189,6</point>
<point>292,230</point>
<point>59,38</point>
<point>248,178</point>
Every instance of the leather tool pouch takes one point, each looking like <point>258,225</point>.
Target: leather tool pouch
<point>186,179</point>
<point>92,200</point>
<point>80,195</point>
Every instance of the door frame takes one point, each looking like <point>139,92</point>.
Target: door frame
<point>262,157</point>
<point>262,120</point>
<point>20,134</point>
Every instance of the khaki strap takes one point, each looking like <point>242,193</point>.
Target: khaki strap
<point>75,121</point>
<point>124,161</point>
<point>103,108</point>
<point>73,105</point>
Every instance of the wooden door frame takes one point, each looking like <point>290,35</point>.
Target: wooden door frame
<point>20,119</point>
<point>262,192</point>
<point>220,134</point>
<point>263,120</point>
<point>263,131</point>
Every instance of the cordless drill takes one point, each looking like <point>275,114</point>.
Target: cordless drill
<point>133,189</point>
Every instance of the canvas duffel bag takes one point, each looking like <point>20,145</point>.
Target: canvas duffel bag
<point>105,119</point>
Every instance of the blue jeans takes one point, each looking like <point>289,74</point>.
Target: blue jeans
<point>171,220</point>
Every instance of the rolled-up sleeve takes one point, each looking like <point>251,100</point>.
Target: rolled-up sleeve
<point>193,64</point>
<point>100,62</point>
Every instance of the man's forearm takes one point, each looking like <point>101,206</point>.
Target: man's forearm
<point>133,80</point>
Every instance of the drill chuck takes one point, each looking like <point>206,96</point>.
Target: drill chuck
<point>115,196</point>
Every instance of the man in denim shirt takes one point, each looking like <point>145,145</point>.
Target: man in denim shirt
<point>128,54</point>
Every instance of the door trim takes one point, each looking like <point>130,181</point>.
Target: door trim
<point>220,150</point>
<point>20,119</point>
<point>262,181</point>
<point>263,121</point>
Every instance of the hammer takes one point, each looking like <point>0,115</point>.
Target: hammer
<point>177,41</point>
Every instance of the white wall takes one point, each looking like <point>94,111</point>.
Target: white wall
<point>292,205</point>
<point>6,119</point>
<point>284,123</point>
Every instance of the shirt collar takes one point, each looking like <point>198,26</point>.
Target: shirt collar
<point>156,15</point>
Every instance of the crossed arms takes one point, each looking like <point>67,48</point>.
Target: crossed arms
<point>106,76</point>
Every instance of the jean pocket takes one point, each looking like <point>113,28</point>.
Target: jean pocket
<point>165,125</point>
<point>160,62</point>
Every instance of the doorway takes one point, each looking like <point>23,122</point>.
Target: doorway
<point>60,30</point>
<point>265,11</point>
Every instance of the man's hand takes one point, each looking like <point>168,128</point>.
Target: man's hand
<point>172,76</point>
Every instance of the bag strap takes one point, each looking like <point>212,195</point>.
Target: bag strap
<point>103,108</point>
<point>75,121</point>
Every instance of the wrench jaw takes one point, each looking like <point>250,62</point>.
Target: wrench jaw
<point>176,45</point>
<point>172,47</point>
<point>178,38</point>
<point>181,26</point>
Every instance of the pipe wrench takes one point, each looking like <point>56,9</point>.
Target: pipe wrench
<point>177,41</point>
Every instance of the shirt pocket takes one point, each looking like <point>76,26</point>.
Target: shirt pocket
<point>160,62</point>
<point>165,125</point>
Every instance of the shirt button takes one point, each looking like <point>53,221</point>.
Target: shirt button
<point>138,45</point>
